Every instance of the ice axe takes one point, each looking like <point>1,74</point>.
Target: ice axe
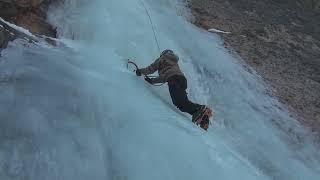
<point>133,67</point>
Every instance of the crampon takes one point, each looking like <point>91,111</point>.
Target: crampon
<point>202,117</point>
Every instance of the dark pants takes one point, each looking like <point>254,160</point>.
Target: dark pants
<point>177,88</point>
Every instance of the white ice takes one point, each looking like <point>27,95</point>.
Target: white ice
<point>75,112</point>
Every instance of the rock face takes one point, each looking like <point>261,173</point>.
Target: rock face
<point>29,14</point>
<point>4,37</point>
<point>280,39</point>
<point>34,24</point>
<point>23,3</point>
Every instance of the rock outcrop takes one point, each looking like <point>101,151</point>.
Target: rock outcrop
<point>29,14</point>
<point>280,39</point>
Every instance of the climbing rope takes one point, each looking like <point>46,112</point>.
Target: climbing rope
<point>152,25</point>
<point>133,67</point>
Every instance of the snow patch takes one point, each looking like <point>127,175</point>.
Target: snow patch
<point>18,28</point>
<point>218,31</point>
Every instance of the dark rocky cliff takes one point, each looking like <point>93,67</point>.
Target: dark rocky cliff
<point>29,14</point>
<point>278,38</point>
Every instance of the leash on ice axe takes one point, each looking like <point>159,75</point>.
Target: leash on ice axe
<point>132,66</point>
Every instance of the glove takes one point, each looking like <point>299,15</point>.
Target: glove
<point>138,72</point>
<point>149,80</point>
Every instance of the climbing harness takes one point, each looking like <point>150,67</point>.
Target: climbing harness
<point>132,66</point>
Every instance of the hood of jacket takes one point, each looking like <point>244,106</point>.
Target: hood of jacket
<point>171,56</point>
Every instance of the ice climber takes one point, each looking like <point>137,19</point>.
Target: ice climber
<point>169,71</point>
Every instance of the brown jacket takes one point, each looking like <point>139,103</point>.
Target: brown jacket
<point>166,65</point>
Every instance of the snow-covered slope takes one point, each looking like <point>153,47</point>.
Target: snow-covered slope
<point>75,112</point>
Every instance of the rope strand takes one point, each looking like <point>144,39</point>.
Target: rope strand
<point>152,26</point>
